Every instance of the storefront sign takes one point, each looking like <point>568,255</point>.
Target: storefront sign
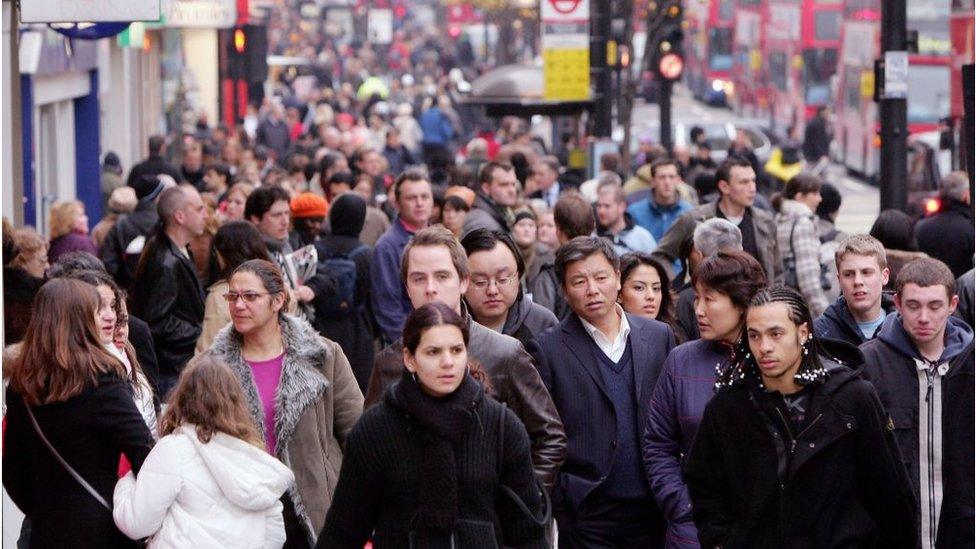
<point>211,14</point>
<point>94,11</point>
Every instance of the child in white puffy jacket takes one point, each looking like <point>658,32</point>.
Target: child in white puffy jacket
<point>209,481</point>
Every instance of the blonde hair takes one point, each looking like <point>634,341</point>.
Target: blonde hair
<point>861,244</point>
<point>64,213</point>
<point>29,243</point>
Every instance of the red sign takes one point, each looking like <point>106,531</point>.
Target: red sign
<point>670,66</point>
<point>565,7</point>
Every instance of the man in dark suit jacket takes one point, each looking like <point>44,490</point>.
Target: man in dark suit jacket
<point>600,366</point>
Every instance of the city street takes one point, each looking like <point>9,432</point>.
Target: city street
<point>859,208</point>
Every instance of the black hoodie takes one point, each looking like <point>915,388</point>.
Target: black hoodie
<point>838,323</point>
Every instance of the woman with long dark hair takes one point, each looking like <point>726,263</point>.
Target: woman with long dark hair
<point>208,483</point>
<point>299,389</point>
<point>436,463</point>
<point>78,394</point>
<point>724,284</point>
<point>644,290</point>
<point>235,243</point>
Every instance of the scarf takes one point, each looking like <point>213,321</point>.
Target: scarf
<point>443,423</point>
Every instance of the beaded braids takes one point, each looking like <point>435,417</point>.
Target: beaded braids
<point>811,371</point>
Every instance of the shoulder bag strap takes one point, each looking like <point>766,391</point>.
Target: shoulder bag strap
<point>84,484</point>
<point>546,503</point>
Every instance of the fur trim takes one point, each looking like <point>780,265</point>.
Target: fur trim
<point>302,384</point>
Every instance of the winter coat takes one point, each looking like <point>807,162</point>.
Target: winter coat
<point>222,493</point>
<point>384,466</point>
<point>216,315</point>
<point>686,385</point>
<point>796,237</point>
<point>655,218</point>
<point>70,242</point>
<point>965,290</point>
<point>316,405</point>
<point>564,356</point>
<point>484,214</point>
<point>764,231</point>
<point>436,126</point>
<point>90,431</point>
<point>956,219</point>
<point>19,289</point>
<point>816,139</point>
<point>839,482</point>
<point>388,296</point>
<point>121,250</point>
<point>375,225</point>
<point>150,168</point>
<point>838,323</point>
<point>354,332</point>
<point>633,238</point>
<point>514,382</point>
<point>169,297</point>
<point>526,320</point>
<point>830,239</point>
<point>892,363</point>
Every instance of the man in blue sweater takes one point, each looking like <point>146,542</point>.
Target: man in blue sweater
<point>659,211</point>
<point>600,365</point>
<point>414,201</point>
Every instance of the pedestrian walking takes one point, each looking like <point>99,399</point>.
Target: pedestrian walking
<point>298,388</point>
<point>436,463</point>
<point>497,193</point>
<point>798,241</point>
<point>208,482</point>
<point>70,416</point>
<point>69,230</point>
<point>724,283</point>
<point>955,217</point>
<point>794,450</point>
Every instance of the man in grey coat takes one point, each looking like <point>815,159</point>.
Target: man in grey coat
<point>497,193</point>
<point>737,192</point>
<point>435,268</point>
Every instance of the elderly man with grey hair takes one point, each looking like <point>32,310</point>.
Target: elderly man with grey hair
<point>948,235</point>
<point>709,238</point>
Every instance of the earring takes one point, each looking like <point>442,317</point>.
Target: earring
<point>414,376</point>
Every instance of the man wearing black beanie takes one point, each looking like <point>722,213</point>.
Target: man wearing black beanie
<point>341,285</point>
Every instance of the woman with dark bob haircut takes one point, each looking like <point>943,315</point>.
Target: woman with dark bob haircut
<point>436,463</point>
<point>724,285</point>
<point>644,290</point>
<point>896,232</point>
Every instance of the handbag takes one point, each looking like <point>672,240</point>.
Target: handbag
<point>74,474</point>
<point>789,267</point>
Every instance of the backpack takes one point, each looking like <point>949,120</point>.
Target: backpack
<point>342,267</point>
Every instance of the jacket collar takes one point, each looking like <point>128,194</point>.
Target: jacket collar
<point>840,313</point>
<point>576,339</point>
<point>302,381</point>
<point>483,202</point>
<point>958,336</point>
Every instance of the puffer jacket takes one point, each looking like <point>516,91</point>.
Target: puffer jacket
<point>222,493</point>
<point>799,247</point>
<point>317,403</point>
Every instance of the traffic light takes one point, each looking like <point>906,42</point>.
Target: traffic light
<point>668,58</point>
<point>247,54</point>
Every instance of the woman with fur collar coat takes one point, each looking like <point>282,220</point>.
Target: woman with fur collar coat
<point>299,389</point>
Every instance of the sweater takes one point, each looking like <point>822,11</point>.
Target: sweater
<point>379,482</point>
<point>222,493</point>
<point>389,298</point>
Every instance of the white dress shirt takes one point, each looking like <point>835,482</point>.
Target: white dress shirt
<point>613,349</point>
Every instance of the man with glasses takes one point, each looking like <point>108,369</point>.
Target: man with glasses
<point>495,296</point>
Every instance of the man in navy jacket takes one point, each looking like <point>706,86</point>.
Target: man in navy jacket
<point>600,366</point>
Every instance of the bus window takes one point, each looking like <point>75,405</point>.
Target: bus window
<point>779,69</point>
<point>726,9</point>
<point>818,66</point>
<point>720,56</point>
<point>826,25</point>
<point>928,93</point>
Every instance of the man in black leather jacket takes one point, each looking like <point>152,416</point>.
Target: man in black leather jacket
<point>167,293</point>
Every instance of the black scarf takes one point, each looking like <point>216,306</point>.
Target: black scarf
<point>444,422</point>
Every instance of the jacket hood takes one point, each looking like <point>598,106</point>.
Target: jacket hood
<point>516,315</point>
<point>794,208</point>
<point>841,315</point>
<point>958,336</point>
<point>247,476</point>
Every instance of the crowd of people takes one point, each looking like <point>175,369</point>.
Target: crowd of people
<point>341,322</point>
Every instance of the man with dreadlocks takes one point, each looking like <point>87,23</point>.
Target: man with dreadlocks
<point>793,450</point>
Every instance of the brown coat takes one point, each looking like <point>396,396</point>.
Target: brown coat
<point>317,404</point>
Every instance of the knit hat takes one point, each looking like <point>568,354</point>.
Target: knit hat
<point>309,205</point>
<point>347,215</point>
<point>112,162</point>
<point>122,200</point>
<point>148,187</point>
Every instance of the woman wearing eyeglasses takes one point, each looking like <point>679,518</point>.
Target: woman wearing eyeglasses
<point>299,389</point>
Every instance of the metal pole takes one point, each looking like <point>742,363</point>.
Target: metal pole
<point>664,104</point>
<point>600,14</point>
<point>893,113</point>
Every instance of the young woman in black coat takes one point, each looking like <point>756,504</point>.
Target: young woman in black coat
<point>83,404</point>
<point>436,463</point>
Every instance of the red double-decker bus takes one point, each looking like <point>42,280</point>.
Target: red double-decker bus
<point>708,46</point>
<point>856,128</point>
<point>785,55</point>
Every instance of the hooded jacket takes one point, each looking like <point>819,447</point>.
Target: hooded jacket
<point>838,323</point>
<point>633,238</point>
<point>838,482</point>
<point>892,364</point>
<point>526,320</point>
<point>223,493</point>
<point>317,403</point>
